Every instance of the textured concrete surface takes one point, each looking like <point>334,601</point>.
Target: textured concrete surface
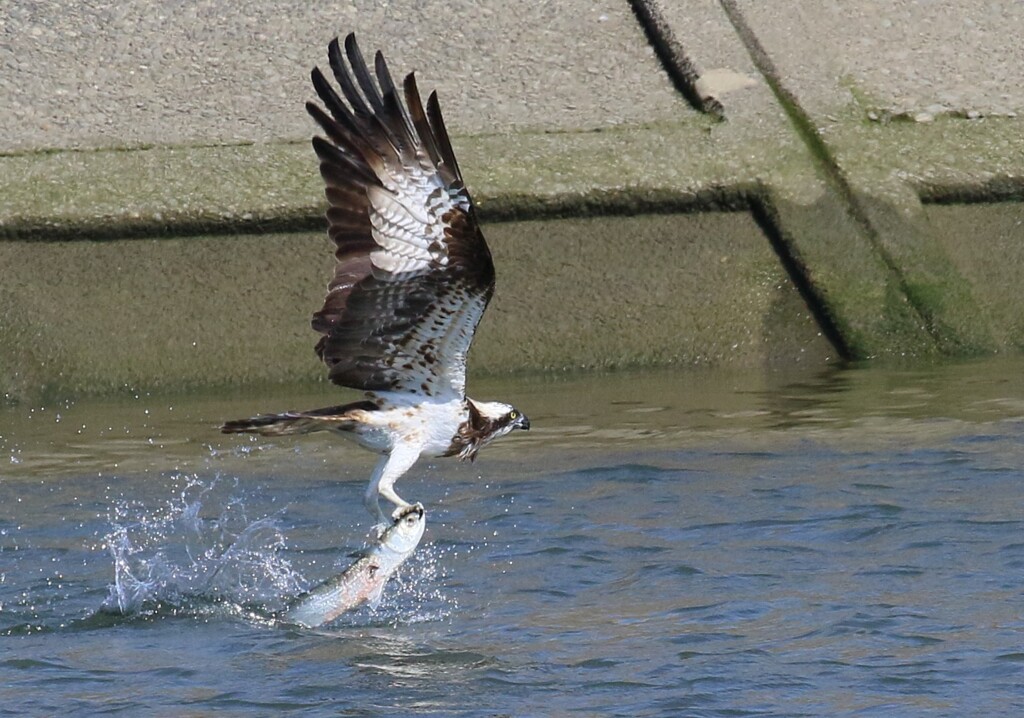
<point>968,234</point>
<point>159,72</point>
<point>900,101</point>
<point>147,147</point>
<point>920,60</point>
<point>708,282</point>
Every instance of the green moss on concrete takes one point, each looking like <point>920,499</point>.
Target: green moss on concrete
<point>985,242</point>
<point>611,292</point>
<point>116,296</point>
<point>115,193</point>
<point>854,285</point>
<point>176,190</point>
<point>947,152</point>
<point>890,166</point>
<point>933,286</point>
<point>96,317</point>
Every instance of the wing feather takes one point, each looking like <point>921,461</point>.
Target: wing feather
<point>414,273</point>
<point>449,165</point>
<point>419,119</point>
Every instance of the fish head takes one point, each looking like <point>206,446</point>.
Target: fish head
<point>404,535</point>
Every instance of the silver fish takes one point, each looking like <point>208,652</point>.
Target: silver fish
<point>364,580</point>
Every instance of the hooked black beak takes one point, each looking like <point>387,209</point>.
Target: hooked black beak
<point>522,423</point>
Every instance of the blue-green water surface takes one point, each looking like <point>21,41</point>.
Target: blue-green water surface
<point>824,542</point>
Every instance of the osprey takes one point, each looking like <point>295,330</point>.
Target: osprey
<point>412,279</point>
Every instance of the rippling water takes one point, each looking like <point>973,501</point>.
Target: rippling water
<point>706,543</point>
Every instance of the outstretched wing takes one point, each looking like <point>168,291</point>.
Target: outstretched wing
<point>414,274</point>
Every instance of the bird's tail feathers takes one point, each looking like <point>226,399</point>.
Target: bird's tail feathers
<point>276,425</point>
<point>335,418</point>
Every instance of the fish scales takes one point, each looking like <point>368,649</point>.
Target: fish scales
<point>365,579</point>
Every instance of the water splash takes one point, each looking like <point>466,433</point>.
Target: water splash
<point>200,553</point>
<point>200,548</point>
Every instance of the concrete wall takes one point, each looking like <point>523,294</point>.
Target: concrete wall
<point>706,182</point>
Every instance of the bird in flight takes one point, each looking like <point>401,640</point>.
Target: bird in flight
<point>412,279</point>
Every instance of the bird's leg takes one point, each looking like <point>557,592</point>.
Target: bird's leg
<point>382,483</point>
<point>371,500</point>
<point>402,507</point>
<point>386,488</point>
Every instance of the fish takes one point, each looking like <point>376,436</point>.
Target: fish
<point>364,580</point>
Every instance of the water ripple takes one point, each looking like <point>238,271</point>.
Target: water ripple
<point>847,545</point>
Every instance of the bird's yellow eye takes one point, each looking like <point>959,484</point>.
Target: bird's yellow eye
<point>513,414</point>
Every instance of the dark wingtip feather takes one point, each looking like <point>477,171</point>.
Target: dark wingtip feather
<point>419,117</point>
<point>380,66</point>
<point>378,131</point>
<point>362,72</point>
<point>441,132</point>
<point>334,48</point>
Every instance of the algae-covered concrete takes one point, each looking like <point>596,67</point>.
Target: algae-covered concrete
<point>103,316</point>
<point>901,102</point>
<point>160,208</point>
<point>967,234</point>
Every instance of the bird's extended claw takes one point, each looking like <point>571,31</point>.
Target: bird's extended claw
<point>402,511</point>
